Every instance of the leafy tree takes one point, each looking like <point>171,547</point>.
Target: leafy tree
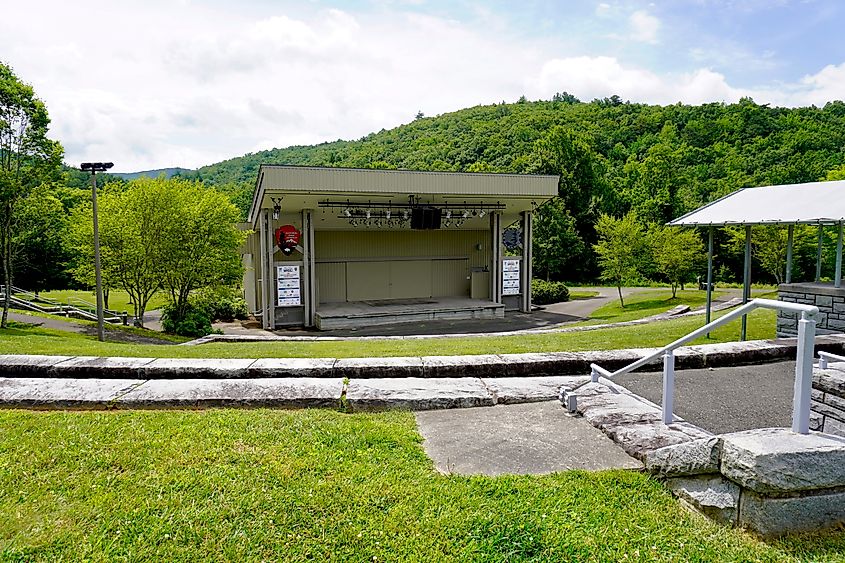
<point>677,254</point>
<point>27,158</point>
<point>39,254</point>
<point>556,243</point>
<point>619,248</point>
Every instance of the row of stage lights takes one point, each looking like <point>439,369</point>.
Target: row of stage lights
<point>358,217</point>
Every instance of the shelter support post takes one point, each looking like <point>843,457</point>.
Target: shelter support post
<point>525,282</point>
<point>266,265</point>
<point>789,236</point>
<point>746,280</point>
<point>837,280</point>
<point>496,257</point>
<point>709,277</point>
<point>819,255</point>
<point>308,267</point>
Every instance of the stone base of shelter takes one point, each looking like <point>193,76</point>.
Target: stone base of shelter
<point>361,314</point>
<point>827,410</point>
<point>830,301</point>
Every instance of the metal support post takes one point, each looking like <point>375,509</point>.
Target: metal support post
<point>746,280</point>
<point>803,375</point>
<point>668,386</point>
<point>789,237</point>
<point>819,256</point>
<point>594,375</point>
<point>709,277</point>
<point>97,272</point>
<point>837,279</point>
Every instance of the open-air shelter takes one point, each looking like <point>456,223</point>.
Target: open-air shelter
<point>815,203</point>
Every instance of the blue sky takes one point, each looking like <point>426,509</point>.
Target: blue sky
<point>188,82</point>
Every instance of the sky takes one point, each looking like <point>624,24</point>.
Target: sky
<point>162,83</point>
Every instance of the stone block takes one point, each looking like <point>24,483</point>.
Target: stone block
<point>414,393</point>
<point>695,457</point>
<point>827,410</point>
<point>715,497</point>
<point>178,368</point>
<point>776,460</point>
<point>378,367</point>
<point>638,440</point>
<point>816,421</point>
<point>485,365</point>
<point>829,381</point>
<point>14,365</point>
<point>507,390</point>
<point>291,367</point>
<point>836,323</point>
<point>839,305</point>
<point>59,392</point>
<point>106,367</point>
<point>824,301</point>
<point>778,516</point>
<point>539,364</point>
<point>293,392</point>
<point>833,426</point>
<point>817,395</point>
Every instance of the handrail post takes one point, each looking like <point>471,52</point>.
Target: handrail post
<point>668,386</point>
<point>594,375</point>
<point>803,375</point>
<point>822,362</point>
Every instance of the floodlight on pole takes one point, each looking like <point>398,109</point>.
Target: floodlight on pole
<point>93,168</point>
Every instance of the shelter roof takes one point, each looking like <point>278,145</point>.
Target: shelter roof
<point>790,204</point>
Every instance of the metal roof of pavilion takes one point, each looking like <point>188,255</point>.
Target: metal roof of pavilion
<point>811,203</point>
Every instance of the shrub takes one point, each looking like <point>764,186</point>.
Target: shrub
<point>221,303</point>
<point>544,292</point>
<point>195,321</point>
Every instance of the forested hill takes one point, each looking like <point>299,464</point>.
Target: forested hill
<point>660,161</point>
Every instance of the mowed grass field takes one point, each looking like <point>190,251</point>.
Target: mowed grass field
<point>24,339</point>
<point>320,485</point>
<point>118,299</point>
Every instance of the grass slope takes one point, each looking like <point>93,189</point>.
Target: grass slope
<point>21,339</point>
<point>118,298</point>
<point>254,485</point>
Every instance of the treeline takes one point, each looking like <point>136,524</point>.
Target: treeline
<point>613,157</point>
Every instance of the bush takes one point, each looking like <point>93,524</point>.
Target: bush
<point>544,292</point>
<point>221,303</point>
<point>195,321</point>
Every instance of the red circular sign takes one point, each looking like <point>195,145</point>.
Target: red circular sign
<point>287,235</point>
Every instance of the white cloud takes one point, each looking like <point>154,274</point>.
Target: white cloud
<point>599,77</point>
<point>209,83</point>
<point>644,27</point>
<point>603,10</point>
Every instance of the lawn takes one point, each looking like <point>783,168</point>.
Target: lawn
<point>118,298</point>
<point>31,340</point>
<point>646,304</point>
<point>321,485</point>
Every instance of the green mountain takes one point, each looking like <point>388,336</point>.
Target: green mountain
<point>168,172</point>
<point>613,157</point>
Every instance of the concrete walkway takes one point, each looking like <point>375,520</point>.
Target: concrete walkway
<point>533,438</point>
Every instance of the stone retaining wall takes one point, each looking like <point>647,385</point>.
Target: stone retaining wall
<point>771,481</point>
<point>829,300</point>
<point>488,365</point>
<point>828,405</point>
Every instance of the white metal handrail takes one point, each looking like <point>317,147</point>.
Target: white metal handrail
<point>803,365</point>
<point>825,357</point>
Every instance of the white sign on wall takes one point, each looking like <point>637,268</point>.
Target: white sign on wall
<point>288,286</point>
<point>510,276</point>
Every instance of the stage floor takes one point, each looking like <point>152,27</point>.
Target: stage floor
<point>361,314</point>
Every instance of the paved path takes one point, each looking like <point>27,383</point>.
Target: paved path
<point>532,438</point>
<point>728,399</point>
<point>46,322</point>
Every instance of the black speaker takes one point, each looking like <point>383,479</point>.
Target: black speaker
<point>425,218</point>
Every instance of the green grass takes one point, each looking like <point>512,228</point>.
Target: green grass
<point>107,326</point>
<point>253,485</point>
<point>646,304</point>
<point>118,298</point>
<point>761,325</point>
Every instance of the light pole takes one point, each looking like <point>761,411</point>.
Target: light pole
<point>95,167</point>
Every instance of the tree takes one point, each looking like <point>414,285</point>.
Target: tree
<point>677,254</point>
<point>27,158</point>
<point>133,223</point>
<point>619,249</point>
<point>200,249</point>
<point>39,255</point>
<point>555,243</point>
